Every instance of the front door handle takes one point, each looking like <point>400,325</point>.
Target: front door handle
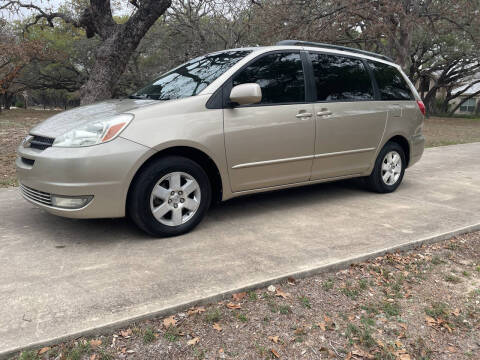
<point>304,115</point>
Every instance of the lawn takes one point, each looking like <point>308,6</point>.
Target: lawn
<point>14,126</point>
<point>421,304</point>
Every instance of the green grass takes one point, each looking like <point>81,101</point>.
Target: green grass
<point>172,334</point>
<point>436,260</point>
<point>284,309</point>
<point>29,355</point>
<point>391,309</point>
<point>242,317</point>
<point>438,309</point>
<point>327,285</point>
<point>252,295</point>
<point>305,302</point>
<point>452,279</point>
<point>213,316</point>
<point>78,351</point>
<point>149,336</point>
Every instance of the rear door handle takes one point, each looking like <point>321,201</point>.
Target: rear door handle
<point>324,112</point>
<point>304,115</point>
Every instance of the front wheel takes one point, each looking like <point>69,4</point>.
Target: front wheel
<point>387,174</point>
<point>169,197</point>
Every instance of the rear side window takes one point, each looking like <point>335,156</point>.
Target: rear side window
<point>339,78</point>
<point>391,84</point>
<point>280,76</point>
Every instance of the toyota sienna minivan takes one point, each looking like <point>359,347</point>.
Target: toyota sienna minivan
<point>223,125</point>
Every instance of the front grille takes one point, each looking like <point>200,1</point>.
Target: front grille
<point>36,195</point>
<point>41,142</point>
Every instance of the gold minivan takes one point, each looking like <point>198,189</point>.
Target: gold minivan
<point>227,124</point>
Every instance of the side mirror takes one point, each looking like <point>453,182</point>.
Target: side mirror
<point>246,94</point>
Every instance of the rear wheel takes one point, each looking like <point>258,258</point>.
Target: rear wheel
<point>170,196</point>
<point>389,169</point>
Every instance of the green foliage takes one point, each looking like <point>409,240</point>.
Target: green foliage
<point>149,335</point>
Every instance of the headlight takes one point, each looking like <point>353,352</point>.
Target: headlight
<point>95,132</point>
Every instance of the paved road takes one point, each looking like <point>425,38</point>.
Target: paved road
<point>61,276</point>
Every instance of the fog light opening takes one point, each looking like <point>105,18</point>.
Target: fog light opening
<point>75,202</point>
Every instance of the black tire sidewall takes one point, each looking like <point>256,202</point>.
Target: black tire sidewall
<point>375,180</point>
<point>139,202</point>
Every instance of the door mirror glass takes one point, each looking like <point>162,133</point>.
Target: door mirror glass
<point>246,94</point>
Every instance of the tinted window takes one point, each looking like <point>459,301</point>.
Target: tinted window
<point>391,84</point>
<point>192,77</point>
<point>280,75</point>
<point>339,78</point>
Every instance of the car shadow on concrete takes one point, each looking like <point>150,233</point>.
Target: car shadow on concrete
<point>107,231</point>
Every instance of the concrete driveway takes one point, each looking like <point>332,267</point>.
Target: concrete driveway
<point>61,277</point>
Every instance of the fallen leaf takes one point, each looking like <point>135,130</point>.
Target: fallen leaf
<point>430,321</point>
<point>221,351</point>
<point>194,310</point>
<point>275,353</point>
<point>280,293</point>
<point>322,326</point>
<point>93,357</point>
<point>234,306</point>
<point>404,326</point>
<point>123,350</point>
<point>349,356</point>
<point>274,339</point>
<point>456,312</point>
<point>291,281</point>
<point>217,327</point>
<point>169,321</point>
<point>43,350</point>
<point>451,349</point>
<point>239,296</point>
<point>445,325</point>
<point>95,343</point>
<point>404,357</point>
<point>194,341</point>
<point>126,333</point>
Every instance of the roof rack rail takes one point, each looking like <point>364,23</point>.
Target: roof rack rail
<point>335,47</point>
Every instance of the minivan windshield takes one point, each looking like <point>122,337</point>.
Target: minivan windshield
<point>191,78</point>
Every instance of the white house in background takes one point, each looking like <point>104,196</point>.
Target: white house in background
<point>470,106</point>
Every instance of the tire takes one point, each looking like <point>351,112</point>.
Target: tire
<point>161,201</point>
<point>385,167</point>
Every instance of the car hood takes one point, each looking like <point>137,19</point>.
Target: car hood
<point>68,120</point>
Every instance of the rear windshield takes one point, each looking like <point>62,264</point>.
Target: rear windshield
<point>191,78</point>
<point>391,83</point>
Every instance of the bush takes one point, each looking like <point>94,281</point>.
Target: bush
<point>19,104</point>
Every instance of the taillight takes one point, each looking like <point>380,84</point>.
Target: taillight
<point>421,106</point>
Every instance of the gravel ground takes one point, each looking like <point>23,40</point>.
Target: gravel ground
<point>421,304</point>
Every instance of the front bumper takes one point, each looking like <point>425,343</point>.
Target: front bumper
<point>102,171</point>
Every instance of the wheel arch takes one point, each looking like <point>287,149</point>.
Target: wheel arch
<point>194,154</point>
<point>403,142</point>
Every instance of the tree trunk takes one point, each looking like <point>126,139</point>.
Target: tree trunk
<point>8,98</point>
<point>119,43</point>
<point>111,60</point>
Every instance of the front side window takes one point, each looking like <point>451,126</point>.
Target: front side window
<point>339,78</point>
<point>280,76</point>
<point>391,83</point>
<point>191,78</point>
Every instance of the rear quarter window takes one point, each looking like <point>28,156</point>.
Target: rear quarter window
<point>391,84</point>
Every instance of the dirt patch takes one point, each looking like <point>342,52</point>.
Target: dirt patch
<point>449,131</point>
<point>421,304</point>
<point>14,126</point>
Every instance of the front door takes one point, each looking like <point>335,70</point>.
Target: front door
<point>271,143</point>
